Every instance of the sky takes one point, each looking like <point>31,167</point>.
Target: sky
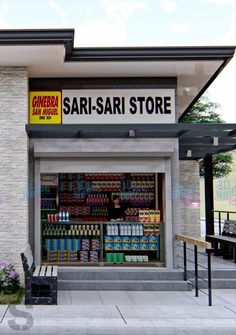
<point>139,23</point>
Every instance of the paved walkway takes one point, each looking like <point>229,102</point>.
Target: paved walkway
<point>114,312</point>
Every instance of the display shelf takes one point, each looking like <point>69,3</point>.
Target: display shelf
<point>95,191</point>
<point>48,198</point>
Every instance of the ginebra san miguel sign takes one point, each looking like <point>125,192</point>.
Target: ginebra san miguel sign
<point>45,107</point>
<point>118,106</point>
<point>103,106</point>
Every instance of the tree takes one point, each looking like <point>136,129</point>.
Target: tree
<point>204,111</point>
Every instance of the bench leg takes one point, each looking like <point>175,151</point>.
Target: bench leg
<point>41,293</point>
<point>217,250</point>
<point>234,253</point>
<point>227,253</point>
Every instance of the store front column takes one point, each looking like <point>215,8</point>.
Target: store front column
<point>14,164</point>
<point>209,195</point>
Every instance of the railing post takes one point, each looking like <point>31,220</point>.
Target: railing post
<point>209,251</point>
<point>219,222</point>
<point>227,215</point>
<point>185,262</point>
<point>196,270</point>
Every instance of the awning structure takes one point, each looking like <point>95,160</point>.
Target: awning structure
<point>196,141</point>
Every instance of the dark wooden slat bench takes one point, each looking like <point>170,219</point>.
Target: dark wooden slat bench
<point>222,243</point>
<point>40,281</point>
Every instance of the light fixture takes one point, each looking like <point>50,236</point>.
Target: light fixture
<point>131,133</point>
<point>215,140</point>
<point>189,153</point>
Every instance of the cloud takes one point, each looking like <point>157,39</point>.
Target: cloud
<point>179,28</point>
<point>167,6</point>
<point>221,2</point>
<point>4,10</point>
<point>111,30</point>
<point>59,9</point>
<point>98,33</point>
<point>121,10</point>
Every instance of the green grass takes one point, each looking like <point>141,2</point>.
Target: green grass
<point>14,298</point>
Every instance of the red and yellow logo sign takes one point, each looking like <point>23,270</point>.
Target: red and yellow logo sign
<point>45,107</point>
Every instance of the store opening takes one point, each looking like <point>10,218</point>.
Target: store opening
<point>102,219</point>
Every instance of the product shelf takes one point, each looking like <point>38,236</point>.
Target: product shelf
<point>136,190</point>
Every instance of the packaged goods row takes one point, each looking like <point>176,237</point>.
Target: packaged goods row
<point>138,229</point>
<point>78,198</point>
<point>132,246</point>
<point>133,239</point>
<point>125,229</point>
<point>121,258</point>
<point>48,204</point>
<point>72,256</point>
<point>103,176</point>
<point>72,244</point>
<point>71,186</point>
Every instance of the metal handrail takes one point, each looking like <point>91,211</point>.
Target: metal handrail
<point>219,217</point>
<point>201,244</point>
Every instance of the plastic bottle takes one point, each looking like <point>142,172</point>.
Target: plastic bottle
<point>67,216</point>
<point>129,230</point>
<point>134,232</point>
<point>112,230</point>
<point>63,216</point>
<point>116,230</point>
<point>137,230</point>
<point>60,216</point>
<point>141,230</point>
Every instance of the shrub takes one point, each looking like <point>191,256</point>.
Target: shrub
<point>9,278</point>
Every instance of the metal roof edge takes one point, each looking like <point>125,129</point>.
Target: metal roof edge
<point>66,37</point>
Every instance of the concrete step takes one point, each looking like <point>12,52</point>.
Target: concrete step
<point>124,285</point>
<point>119,274</point>
<point>224,283</point>
<point>217,274</point>
<point>220,274</point>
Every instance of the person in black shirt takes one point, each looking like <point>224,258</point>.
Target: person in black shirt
<point>116,210</point>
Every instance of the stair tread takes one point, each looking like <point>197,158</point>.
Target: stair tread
<point>121,281</point>
<point>214,279</point>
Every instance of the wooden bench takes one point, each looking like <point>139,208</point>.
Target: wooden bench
<point>40,281</point>
<point>225,244</point>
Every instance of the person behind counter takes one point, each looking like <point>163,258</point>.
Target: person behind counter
<point>117,211</point>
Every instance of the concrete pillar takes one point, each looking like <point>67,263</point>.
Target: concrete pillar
<point>189,198</point>
<point>209,195</point>
<point>13,164</point>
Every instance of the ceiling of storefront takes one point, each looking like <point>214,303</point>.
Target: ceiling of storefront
<point>195,140</point>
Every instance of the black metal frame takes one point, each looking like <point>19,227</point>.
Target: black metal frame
<point>38,290</point>
<point>225,239</point>
<point>196,273</point>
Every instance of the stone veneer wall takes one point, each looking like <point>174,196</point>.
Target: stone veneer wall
<point>189,198</point>
<point>14,164</point>
<point>176,214</point>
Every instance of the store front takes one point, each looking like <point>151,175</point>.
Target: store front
<point>90,124</point>
<point>73,210</point>
<point>78,179</point>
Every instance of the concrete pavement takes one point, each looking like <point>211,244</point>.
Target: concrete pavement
<point>125,312</point>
